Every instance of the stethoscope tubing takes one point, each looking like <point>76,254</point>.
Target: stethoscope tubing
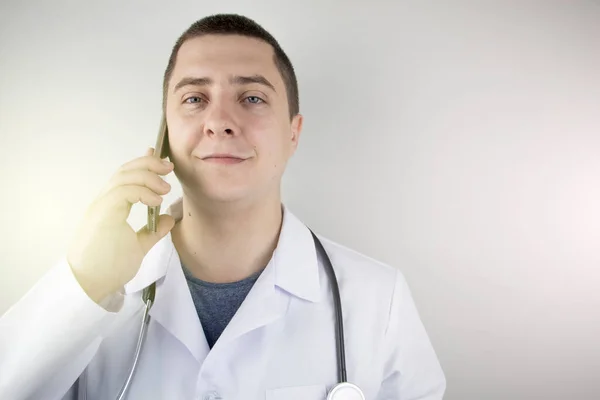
<point>148,297</point>
<point>337,305</point>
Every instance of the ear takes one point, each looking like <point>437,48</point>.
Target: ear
<point>296,130</point>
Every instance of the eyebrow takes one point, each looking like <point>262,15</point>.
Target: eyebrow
<point>234,80</point>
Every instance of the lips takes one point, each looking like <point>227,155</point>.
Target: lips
<point>223,156</point>
<point>223,159</point>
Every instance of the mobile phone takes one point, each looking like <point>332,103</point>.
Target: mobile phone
<point>161,150</point>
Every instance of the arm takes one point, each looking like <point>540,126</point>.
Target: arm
<point>49,336</point>
<point>412,370</point>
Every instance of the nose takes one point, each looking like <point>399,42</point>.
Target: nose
<point>219,122</point>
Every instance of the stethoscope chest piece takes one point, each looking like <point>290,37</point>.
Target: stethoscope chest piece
<point>346,391</point>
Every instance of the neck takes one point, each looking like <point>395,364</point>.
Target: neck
<point>227,243</point>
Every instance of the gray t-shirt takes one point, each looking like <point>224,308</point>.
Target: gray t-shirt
<point>217,303</point>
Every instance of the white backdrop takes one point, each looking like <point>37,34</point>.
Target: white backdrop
<point>458,141</point>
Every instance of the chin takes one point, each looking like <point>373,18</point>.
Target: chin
<point>216,188</point>
<point>224,198</point>
<point>224,193</point>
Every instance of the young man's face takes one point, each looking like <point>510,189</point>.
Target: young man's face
<point>227,97</point>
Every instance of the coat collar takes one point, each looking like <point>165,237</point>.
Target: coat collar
<point>294,260</point>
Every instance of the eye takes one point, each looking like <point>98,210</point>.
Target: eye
<point>193,100</point>
<point>254,100</point>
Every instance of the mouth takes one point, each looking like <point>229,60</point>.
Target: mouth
<point>223,159</point>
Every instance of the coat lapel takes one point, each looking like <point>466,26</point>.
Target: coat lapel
<point>293,271</point>
<point>263,305</point>
<point>173,306</point>
<point>174,309</point>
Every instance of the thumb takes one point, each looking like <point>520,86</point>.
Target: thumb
<point>148,239</point>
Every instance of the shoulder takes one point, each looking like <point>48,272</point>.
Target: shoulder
<point>384,326</point>
<point>363,280</point>
<point>356,264</point>
<point>358,271</point>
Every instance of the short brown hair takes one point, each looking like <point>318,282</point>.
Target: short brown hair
<point>233,24</point>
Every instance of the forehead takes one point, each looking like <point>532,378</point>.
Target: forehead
<point>219,56</point>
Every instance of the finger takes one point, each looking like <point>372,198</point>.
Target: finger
<point>148,238</point>
<point>120,199</point>
<point>150,163</point>
<point>141,178</point>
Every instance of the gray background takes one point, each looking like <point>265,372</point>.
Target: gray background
<point>458,141</point>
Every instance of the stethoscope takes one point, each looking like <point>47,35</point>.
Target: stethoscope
<point>343,390</point>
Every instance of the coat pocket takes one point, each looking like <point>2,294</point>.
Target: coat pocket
<point>312,392</point>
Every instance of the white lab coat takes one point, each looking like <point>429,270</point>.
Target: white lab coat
<point>279,345</point>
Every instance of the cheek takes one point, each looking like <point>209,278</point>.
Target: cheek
<point>183,134</point>
<point>273,150</point>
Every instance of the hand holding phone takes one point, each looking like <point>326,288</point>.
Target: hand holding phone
<point>106,252</point>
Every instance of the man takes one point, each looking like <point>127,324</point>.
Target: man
<point>244,307</point>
